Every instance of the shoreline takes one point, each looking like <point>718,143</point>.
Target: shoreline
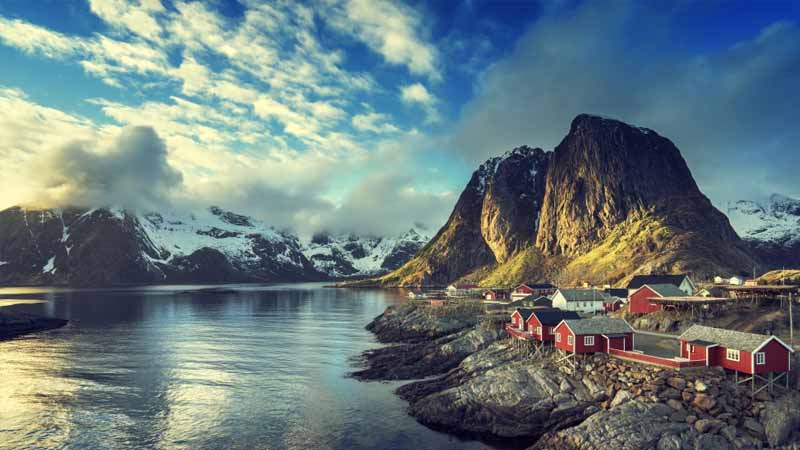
<point>478,386</point>
<point>13,324</point>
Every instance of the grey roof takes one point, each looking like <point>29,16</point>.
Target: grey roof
<point>583,295</point>
<point>599,325</point>
<point>554,316</point>
<point>736,340</point>
<point>667,290</point>
<point>640,280</point>
<point>534,285</point>
<point>524,312</point>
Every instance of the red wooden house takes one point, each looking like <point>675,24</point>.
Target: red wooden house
<point>535,289</point>
<point>519,318</point>
<point>541,323</point>
<point>494,295</point>
<point>612,304</point>
<point>593,335</point>
<point>734,350</point>
<point>639,302</point>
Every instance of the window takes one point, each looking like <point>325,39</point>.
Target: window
<point>539,330</point>
<point>570,340</point>
<point>550,330</point>
<point>733,355</point>
<point>761,358</point>
<point>588,340</point>
<point>558,337</point>
<point>690,348</point>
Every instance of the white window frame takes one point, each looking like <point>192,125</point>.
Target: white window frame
<point>588,341</point>
<point>761,358</point>
<point>570,340</point>
<point>733,355</point>
<point>550,330</point>
<point>558,337</point>
<point>539,330</point>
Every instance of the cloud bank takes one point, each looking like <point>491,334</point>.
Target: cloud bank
<point>730,111</point>
<point>132,172</point>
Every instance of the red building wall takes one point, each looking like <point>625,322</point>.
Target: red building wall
<point>516,320</point>
<point>563,344</point>
<point>638,303</point>
<point>546,335</point>
<point>777,358</point>
<point>698,353</point>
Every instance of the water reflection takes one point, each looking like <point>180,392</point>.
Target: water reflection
<point>250,367</point>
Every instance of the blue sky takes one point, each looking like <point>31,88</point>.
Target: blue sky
<point>370,115</point>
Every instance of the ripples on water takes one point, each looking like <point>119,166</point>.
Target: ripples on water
<point>251,368</point>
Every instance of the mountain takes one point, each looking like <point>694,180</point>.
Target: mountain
<point>349,255</point>
<point>113,246</point>
<point>771,228</point>
<point>610,201</point>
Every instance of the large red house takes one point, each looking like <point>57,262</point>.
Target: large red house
<point>734,350</point>
<point>535,289</point>
<point>639,302</point>
<point>594,335</point>
<point>541,323</point>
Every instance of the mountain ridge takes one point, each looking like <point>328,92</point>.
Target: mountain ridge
<point>108,246</point>
<point>616,200</point>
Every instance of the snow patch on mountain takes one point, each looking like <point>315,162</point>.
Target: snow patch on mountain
<point>776,221</point>
<point>350,255</point>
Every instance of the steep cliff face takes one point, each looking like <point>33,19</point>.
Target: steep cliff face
<point>495,217</point>
<point>610,201</point>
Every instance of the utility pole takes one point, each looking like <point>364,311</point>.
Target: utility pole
<point>791,321</point>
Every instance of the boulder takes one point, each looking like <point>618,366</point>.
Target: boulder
<point>781,420</point>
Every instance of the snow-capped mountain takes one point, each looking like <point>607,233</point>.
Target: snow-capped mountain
<point>772,228</point>
<point>113,246</point>
<point>349,255</point>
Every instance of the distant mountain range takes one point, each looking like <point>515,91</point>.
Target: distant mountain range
<point>771,228</point>
<point>108,246</point>
<point>610,201</point>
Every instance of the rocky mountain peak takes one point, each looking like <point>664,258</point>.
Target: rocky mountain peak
<point>611,200</point>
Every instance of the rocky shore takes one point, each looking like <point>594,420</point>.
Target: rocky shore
<point>14,324</point>
<point>487,388</point>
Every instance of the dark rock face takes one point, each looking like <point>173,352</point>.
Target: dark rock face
<point>610,201</point>
<point>495,216</point>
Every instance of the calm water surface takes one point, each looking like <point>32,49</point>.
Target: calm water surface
<point>256,367</point>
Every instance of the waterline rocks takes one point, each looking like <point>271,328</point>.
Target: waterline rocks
<point>14,324</point>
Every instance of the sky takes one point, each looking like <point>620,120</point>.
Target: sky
<point>369,116</point>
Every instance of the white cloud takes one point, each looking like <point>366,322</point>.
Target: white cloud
<point>416,93</point>
<point>390,29</point>
<point>129,16</point>
<point>375,122</point>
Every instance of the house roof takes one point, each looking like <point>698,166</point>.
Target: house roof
<point>666,290</point>
<point>640,280</point>
<point>614,292</point>
<point>599,325</point>
<point>554,316</point>
<point>583,295</point>
<point>538,285</point>
<point>737,340</point>
<point>524,312</point>
<point>498,291</point>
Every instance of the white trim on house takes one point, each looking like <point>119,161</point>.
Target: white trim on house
<point>761,358</point>
<point>587,340</point>
<point>766,341</point>
<point>731,354</point>
<point>571,340</point>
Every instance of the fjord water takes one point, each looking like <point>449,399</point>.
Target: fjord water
<point>244,367</point>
